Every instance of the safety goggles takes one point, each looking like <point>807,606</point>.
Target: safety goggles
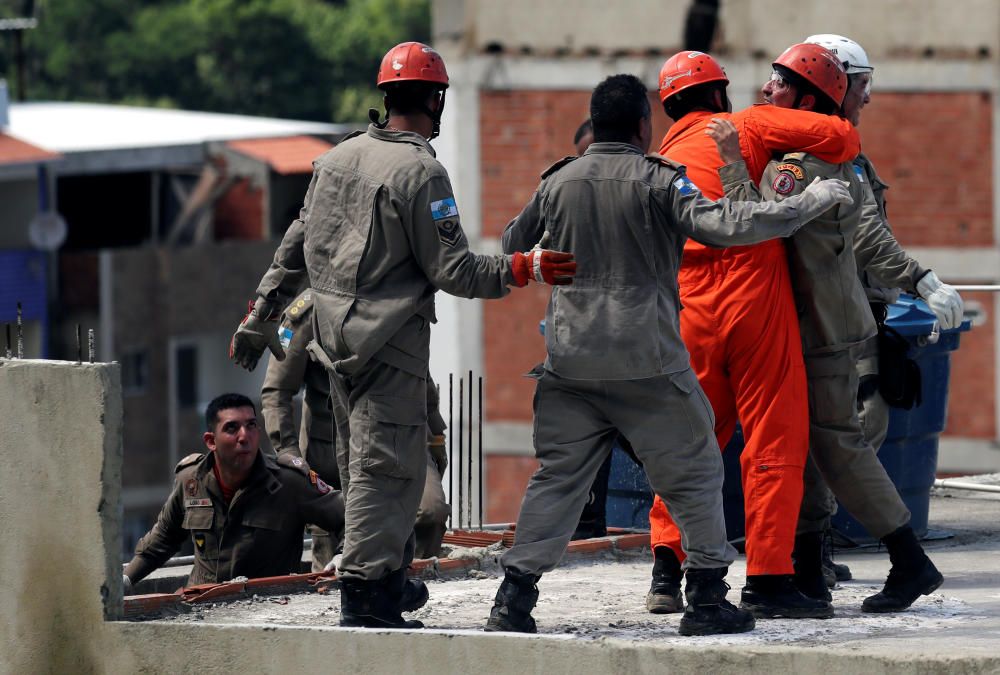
<point>866,77</point>
<point>778,79</point>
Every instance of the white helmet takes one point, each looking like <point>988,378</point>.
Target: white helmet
<point>849,52</point>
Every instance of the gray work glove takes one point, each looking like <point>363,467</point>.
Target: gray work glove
<point>436,446</point>
<point>943,300</point>
<point>126,585</point>
<point>823,194</point>
<point>258,331</point>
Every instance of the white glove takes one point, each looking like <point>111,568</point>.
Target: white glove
<point>943,300</point>
<point>829,192</point>
<point>126,585</point>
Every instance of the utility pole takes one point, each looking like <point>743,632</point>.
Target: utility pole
<point>18,25</point>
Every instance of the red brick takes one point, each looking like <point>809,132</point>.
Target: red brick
<point>972,389</point>
<point>589,546</point>
<point>631,541</point>
<point>506,479</point>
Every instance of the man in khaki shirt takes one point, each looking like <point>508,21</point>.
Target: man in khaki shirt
<point>243,510</point>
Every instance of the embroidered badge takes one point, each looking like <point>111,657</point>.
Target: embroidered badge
<point>859,172</point>
<point>191,487</point>
<point>197,502</point>
<point>199,541</point>
<point>793,169</point>
<point>783,183</point>
<point>285,335</point>
<point>449,232</point>
<point>685,186</point>
<point>322,486</point>
<point>297,461</point>
<point>444,208</point>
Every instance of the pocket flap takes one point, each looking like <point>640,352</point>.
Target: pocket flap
<point>398,410</point>
<point>199,518</point>
<point>685,380</point>
<point>265,520</point>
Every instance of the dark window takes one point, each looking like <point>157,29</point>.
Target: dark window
<point>187,376</point>
<point>135,372</point>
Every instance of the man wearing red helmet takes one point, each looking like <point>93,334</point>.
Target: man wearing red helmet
<point>835,322</point>
<point>379,233</point>
<point>739,324</point>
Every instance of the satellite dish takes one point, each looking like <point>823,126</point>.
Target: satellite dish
<point>47,231</point>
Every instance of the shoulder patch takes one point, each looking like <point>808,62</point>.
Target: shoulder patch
<point>318,482</point>
<point>793,169</point>
<point>293,462</point>
<point>684,185</point>
<point>794,156</point>
<point>190,460</point>
<point>444,208</point>
<point>860,173</point>
<point>558,165</point>
<point>783,183</point>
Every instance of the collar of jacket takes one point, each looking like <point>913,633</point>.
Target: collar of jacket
<point>265,470</point>
<point>613,149</point>
<point>410,137</point>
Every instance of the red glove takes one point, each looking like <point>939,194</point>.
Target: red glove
<point>543,266</point>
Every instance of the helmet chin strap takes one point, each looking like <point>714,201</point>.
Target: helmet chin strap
<point>375,118</point>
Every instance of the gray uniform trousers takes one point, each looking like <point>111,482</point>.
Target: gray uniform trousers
<point>873,410</point>
<point>842,455</point>
<point>382,452</point>
<point>669,422</point>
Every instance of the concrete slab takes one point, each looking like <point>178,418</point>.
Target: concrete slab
<point>600,601</point>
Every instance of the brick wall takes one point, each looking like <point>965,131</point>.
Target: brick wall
<point>972,391</point>
<point>935,152</point>
<point>506,478</point>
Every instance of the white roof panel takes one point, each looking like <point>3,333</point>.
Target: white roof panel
<point>90,127</point>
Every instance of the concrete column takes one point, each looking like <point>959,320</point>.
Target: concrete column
<point>60,571</point>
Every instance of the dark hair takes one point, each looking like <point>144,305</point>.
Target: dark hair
<point>405,98</point>
<point>617,106</point>
<point>803,87</point>
<point>698,97</point>
<point>225,402</point>
<point>586,128</point>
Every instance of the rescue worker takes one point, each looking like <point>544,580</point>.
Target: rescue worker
<point>244,510</point>
<point>874,238</point>
<point>615,361</point>
<point>314,440</point>
<point>835,321</point>
<point>740,327</point>
<point>379,233</point>
<point>583,137</point>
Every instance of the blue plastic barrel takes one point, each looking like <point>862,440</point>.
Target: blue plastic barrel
<point>909,453</point>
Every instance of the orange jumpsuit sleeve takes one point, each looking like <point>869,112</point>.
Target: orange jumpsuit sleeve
<point>771,129</point>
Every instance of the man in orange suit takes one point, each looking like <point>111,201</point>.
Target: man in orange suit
<point>740,325</point>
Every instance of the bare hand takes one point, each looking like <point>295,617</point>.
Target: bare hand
<point>727,139</point>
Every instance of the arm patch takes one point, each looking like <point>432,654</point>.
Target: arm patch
<point>294,462</point>
<point>793,169</point>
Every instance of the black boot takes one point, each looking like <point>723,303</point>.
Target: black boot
<point>774,596</point>
<point>664,595</point>
<point>413,592</point>
<point>833,572</point>
<point>372,604</point>
<point>912,574</point>
<point>512,608</point>
<point>807,557</point>
<point>708,612</point>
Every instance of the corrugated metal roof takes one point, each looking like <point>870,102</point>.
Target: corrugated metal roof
<point>90,127</point>
<point>16,151</point>
<point>292,154</point>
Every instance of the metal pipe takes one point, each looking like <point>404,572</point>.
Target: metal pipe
<point>963,485</point>
<point>451,450</point>
<point>461,435</point>
<point>20,333</point>
<point>90,344</point>
<point>8,341</point>
<point>468,521</point>
<point>79,345</point>
<point>977,287</point>
<point>481,472</point>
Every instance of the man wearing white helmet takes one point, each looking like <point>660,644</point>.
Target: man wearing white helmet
<point>874,239</point>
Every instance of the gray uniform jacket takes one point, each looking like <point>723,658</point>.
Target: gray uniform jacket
<point>284,379</point>
<point>378,234</point>
<point>626,216</point>
<point>259,534</point>
<point>832,307</point>
<point>883,265</point>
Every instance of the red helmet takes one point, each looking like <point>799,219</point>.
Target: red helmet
<point>818,66</point>
<point>687,69</point>
<point>412,62</point>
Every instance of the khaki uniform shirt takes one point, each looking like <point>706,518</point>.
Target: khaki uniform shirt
<point>258,534</point>
<point>626,216</point>
<point>832,307</point>
<point>883,265</point>
<point>284,379</point>
<point>378,234</point>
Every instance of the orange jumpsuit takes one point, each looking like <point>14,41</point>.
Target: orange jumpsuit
<point>740,326</point>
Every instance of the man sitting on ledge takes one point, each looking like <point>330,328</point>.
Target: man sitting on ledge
<point>245,511</point>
